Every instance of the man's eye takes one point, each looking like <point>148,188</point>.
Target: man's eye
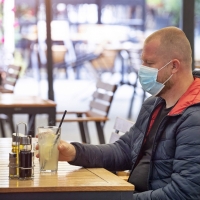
<point>147,63</point>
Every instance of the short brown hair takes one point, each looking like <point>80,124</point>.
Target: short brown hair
<point>173,44</point>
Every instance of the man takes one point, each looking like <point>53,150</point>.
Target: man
<point>162,149</point>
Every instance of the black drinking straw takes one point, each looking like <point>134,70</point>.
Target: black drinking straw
<point>60,127</point>
<point>61,122</point>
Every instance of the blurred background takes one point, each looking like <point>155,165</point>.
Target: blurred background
<point>88,40</point>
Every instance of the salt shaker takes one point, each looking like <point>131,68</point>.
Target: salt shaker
<point>13,165</point>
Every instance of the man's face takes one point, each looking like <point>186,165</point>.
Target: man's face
<point>152,57</point>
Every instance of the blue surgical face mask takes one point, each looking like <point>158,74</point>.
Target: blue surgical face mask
<point>148,77</point>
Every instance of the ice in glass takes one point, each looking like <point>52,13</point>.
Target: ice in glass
<point>48,151</point>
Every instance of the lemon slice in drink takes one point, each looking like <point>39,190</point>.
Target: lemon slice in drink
<point>47,146</point>
<point>48,151</point>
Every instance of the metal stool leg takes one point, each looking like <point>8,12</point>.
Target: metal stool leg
<point>100,132</point>
<point>84,132</point>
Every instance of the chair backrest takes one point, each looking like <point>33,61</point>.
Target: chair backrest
<point>105,61</point>
<point>58,54</point>
<point>121,126</point>
<point>11,78</point>
<point>102,98</point>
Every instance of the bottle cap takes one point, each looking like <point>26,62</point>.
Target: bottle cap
<point>26,140</point>
<point>15,137</point>
<point>12,155</point>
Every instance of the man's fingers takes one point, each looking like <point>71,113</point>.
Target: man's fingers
<point>37,155</point>
<point>37,147</point>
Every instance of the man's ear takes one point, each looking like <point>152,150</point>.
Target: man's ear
<point>175,65</point>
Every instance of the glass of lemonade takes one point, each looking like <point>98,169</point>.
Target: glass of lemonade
<point>48,151</point>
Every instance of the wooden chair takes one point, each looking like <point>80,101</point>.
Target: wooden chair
<point>10,80</point>
<point>121,126</point>
<point>82,58</point>
<point>98,112</point>
<point>4,118</point>
<point>58,55</point>
<point>105,61</point>
<point>8,86</point>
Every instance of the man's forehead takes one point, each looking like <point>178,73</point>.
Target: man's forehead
<point>151,47</point>
<point>152,44</point>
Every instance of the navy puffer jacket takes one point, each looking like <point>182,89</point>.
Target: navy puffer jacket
<point>175,164</point>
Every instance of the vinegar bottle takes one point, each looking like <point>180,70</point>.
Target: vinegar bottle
<point>25,158</point>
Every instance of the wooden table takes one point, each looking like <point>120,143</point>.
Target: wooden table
<point>70,182</point>
<point>32,105</point>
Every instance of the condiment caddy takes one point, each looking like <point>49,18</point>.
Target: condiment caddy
<point>21,159</point>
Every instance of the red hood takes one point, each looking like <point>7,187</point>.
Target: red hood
<point>190,97</point>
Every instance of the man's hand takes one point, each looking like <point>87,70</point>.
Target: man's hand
<point>67,151</point>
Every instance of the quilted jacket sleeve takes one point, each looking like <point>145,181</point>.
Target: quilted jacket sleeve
<point>116,156</point>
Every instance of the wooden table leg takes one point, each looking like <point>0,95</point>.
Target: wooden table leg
<point>2,128</point>
<point>31,125</point>
<point>11,123</point>
<point>52,117</point>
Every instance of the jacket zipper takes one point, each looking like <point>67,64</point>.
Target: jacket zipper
<point>136,162</point>
<point>153,152</point>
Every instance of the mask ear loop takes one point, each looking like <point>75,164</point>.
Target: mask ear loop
<point>162,68</point>
<point>167,79</point>
<point>165,65</point>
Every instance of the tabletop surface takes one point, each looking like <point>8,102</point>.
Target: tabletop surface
<point>12,100</point>
<point>69,178</point>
